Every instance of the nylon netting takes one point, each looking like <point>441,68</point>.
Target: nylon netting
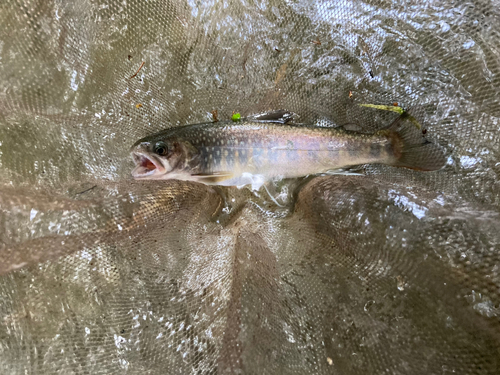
<point>390,272</point>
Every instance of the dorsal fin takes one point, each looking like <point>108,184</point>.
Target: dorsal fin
<point>280,116</point>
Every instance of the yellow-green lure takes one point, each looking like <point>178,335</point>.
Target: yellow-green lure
<point>404,114</point>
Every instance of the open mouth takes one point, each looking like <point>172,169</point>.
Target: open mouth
<point>146,166</point>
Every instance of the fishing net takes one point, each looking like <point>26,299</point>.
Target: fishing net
<point>387,271</point>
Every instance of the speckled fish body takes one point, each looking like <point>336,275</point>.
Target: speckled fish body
<point>251,152</point>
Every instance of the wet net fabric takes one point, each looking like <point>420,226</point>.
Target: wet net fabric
<point>388,272</point>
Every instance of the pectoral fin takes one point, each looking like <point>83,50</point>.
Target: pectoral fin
<point>213,178</point>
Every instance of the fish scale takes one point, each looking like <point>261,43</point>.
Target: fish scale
<point>270,148</point>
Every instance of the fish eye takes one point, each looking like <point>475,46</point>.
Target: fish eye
<point>161,148</point>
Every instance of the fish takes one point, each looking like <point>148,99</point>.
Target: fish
<point>259,149</point>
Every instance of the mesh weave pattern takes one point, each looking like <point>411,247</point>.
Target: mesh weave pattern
<point>392,272</point>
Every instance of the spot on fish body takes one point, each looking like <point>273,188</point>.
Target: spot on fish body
<point>353,152</point>
<point>375,151</point>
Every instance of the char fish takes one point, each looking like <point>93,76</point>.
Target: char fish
<point>260,149</point>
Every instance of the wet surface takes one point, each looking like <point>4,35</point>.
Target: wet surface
<point>389,271</point>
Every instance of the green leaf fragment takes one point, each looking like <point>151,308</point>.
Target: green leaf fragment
<point>385,108</point>
<point>414,121</point>
<point>396,109</point>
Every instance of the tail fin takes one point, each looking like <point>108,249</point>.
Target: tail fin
<point>412,149</point>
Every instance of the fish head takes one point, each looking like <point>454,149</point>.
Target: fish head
<point>159,159</point>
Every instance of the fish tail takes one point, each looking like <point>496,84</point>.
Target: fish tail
<point>411,148</point>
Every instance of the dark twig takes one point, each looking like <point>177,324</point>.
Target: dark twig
<point>82,192</point>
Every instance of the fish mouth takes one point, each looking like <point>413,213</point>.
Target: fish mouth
<point>147,166</point>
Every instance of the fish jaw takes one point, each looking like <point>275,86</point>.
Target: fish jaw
<point>147,167</point>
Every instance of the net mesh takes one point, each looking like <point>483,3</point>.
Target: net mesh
<point>391,272</point>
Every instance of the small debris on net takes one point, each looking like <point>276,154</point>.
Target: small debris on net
<point>400,283</point>
<point>215,114</point>
<point>86,190</point>
<point>236,116</point>
<point>138,70</point>
<point>397,109</point>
